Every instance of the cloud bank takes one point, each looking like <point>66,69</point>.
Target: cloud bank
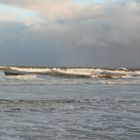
<point>67,33</point>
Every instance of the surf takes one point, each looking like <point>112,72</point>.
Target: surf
<point>73,72</point>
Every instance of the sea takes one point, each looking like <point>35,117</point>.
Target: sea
<point>48,103</point>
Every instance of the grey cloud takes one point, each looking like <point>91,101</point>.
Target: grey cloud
<point>108,37</point>
<point>19,45</point>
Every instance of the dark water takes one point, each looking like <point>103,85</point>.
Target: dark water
<point>54,108</point>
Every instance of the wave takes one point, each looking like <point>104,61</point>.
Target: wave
<point>68,104</point>
<point>38,105</point>
<point>98,73</point>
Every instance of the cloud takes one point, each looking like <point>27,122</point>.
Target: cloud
<point>15,14</point>
<point>105,34</point>
<point>21,45</point>
<point>48,8</point>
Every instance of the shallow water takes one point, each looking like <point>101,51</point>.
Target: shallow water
<point>49,108</point>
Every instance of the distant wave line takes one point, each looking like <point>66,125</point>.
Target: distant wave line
<point>73,72</point>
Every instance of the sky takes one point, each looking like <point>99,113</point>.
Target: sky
<point>82,33</point>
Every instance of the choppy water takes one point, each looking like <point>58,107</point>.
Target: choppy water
<point>48,107</point>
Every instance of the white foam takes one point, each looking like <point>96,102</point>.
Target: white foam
<point>25,77</point>
<point>87,72</point>
<point>74,71</point>
<point>31,69</point>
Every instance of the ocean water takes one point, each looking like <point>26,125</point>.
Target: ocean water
<point>69,104</point>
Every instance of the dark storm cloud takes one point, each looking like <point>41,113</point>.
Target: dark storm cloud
<point>19,45</point>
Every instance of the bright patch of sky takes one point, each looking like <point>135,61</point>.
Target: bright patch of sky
<point>11,13</point>
<point>89,2</point>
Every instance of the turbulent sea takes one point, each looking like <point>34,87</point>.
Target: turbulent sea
<point>69,103</point>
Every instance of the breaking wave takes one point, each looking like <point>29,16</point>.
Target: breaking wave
<point>75,72</point>
<point>32,75</point>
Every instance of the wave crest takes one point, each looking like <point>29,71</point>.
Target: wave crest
<point>74,72</point>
